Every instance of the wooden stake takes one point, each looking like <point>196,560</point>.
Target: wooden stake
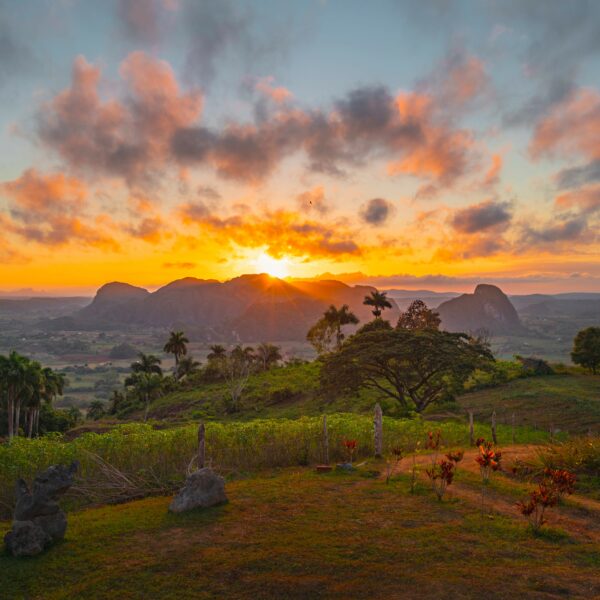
<point>378,422</point>
<point>471,434</point>
<point>201,446</point>
<point>513,428</point>
<point>494,428</point>
<point>325,441</point>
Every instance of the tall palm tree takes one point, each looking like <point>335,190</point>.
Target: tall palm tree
<point>336,318</point>
<point>147,384</point>
<point>379,302</point>
<point>147,363</point>
<point>176,345</point>
<point>13,369</point>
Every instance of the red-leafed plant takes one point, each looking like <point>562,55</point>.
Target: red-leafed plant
<point>489,461</point>
<point>350,446</point>
<point>556,483</point>
<point>441,475</point>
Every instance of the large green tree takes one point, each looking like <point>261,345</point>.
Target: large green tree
<point>418,316</point>
<point>586,349</point>
<point>413,367</point>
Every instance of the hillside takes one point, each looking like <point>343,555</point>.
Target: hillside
<point>247,308</point>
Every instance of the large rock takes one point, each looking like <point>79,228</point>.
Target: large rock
<point>202,489</point>
<point>38,520</point>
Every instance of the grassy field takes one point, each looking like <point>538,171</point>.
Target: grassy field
<point>294,534</point>
<point>564,402</point>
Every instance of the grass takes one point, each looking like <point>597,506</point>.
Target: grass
<point>293,534</point>
<point>154,461</point>
<point>565,402</point>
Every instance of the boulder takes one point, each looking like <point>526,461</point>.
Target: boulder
<point>38,520</point>
<point>202,489</point>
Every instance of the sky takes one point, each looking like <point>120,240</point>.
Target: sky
<point>432,144</point>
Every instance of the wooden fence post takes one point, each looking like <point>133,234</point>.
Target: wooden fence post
<point>325,442</point>
<point>471,434</point>
<point>513,428</point>
<point>494,428</point>
<point>378,422</point>
<point>201,446</point>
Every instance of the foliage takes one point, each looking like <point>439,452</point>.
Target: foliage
<point>414,367</point>
<point>326,334</point>
<point>379,302</point>
<point>96,410</point>
<point>350,446</point>
<point>418,316</point>
<point>177,346</point>
<point>586,349</point>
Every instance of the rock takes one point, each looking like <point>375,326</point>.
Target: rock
<point>26,539</point>
<point>202,489</point>
<point>348,467</point>
<point>38,520</point>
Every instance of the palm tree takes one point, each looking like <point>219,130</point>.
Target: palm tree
<point>268,355</point>
<point>379,302</point>
<point>337,318</point>
<point>176,345</point>
<point>147,384</point>
<point>147,363</point>
<point>217,352</point>
<point>13,369</point>
<point>186,367</point>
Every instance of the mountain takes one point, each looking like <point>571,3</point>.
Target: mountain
<point>488,308</point>
<point>404,298</point>
<point>246,308</point>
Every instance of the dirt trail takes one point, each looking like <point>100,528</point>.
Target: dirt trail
<point>578,516</point>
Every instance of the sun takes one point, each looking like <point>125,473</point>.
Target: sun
<point>275,267</point>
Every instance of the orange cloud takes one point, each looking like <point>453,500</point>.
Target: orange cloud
<point>278,94</point>
<point>587,199</point>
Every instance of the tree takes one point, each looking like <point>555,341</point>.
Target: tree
<point>268,355</point>
<point>147,363</point>
<point>176,345</point>
<point>96,410</point>
<point>237,369</point>
<point>586,349</point>
<point>187,366</point>
<point>326,333</point>
<point>379,302</point>
<point>147,386</point>
<point>413,367</point>
<point>216,352</point>
<point>419,316</point>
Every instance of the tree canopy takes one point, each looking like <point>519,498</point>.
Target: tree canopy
<point>586,349</point>
<point>415,367</point>
<point>419,316</point>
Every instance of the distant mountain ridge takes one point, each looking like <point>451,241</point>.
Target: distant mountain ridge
<point>248,308</point>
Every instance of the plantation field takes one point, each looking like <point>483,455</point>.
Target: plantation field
<point>136,460</point>
<point>291,533</point>
<point>566,402</point>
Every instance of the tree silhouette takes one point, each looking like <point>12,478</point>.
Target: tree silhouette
<point>177,346</point>
<point>419,316</point>
<point>379,302</point>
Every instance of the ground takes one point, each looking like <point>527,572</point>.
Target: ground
<point>295,534</point>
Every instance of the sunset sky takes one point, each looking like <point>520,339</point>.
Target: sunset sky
<point>430,144</point>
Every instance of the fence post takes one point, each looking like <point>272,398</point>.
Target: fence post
<point>494,428</point>
<point>325,442</point>
<point>513,428</point>
<point>378,422</point>
<point>471,434</point>
<point>551,432</point>
<point>201,446</point>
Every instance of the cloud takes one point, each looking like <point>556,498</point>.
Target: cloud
<point>50,209</point>
<point>578,176</point>
<point>143,21</point>
<point>179,265</point>
<point>570,128</point>
<point>376,211</point>
<point>483,216</point>
<point>16,56</point>
<point>149,229</point>
<point>277,94</point>
<point>567,230</point>
<point>586,199</point>
<point>313,200</point>
<point>281,232</point>
<point>208,192</point>
<point>129,137</point>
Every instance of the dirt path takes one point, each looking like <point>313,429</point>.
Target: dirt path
<point>578,516</point>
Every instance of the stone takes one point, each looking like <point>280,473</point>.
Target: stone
<point>38,519</point>
<point>348,467</point>
<point>202,489</point>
